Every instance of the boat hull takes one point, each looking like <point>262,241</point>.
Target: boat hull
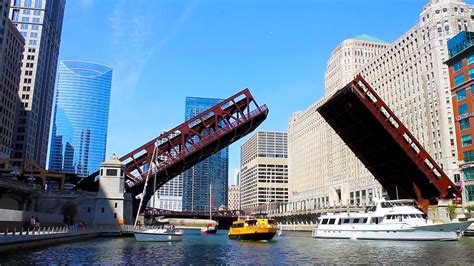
<point>434,232</point>
<point>254,236</point>
<point>209,232</point>
<point>157,237</point>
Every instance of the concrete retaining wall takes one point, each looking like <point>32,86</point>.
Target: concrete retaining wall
<point>17,219</point>
<point>9,244</point>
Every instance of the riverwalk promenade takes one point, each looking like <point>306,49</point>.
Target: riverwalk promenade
<point>13,240</point>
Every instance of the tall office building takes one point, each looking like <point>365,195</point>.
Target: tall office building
<point>212,171</point>
<point>410,76</point>
<point>461,72</point>
<point>264,169</point>
<point>40,22</point>
<point>81,115</point>
<point>234,198</point>
<point>170,195</point>
<point>315,150</point>
<point>348,57</point>
<point>11,50</point>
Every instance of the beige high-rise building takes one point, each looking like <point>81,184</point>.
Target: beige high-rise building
<point>11,50</point>
<point>410,76</point>
<point>264,169</point>
<point>233,198</point>
<point>40,23</point>
<point>315,151</point>
<point>348,57</point>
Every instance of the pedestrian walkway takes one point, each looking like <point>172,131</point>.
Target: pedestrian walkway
<point>15,240</point>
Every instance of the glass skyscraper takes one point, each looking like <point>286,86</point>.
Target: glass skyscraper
<point>81,114</point>
<point>213,170</point>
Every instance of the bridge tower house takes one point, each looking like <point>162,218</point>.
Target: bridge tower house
<point>113,205</point>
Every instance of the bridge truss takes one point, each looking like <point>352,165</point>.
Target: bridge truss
<point>189,143</point>
<point>385,146</point>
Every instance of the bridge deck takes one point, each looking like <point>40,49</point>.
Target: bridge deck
<point>385,146</point>
<point>189,143</point>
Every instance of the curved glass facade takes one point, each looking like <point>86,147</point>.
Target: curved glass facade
<point>80,119</point>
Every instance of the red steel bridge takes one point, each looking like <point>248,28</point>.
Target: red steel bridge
<point>385,146</point>
<point>189,143</point>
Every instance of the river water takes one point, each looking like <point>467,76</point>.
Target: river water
<point>290,248</point>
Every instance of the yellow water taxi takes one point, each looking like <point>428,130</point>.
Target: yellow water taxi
<point>253,228</point>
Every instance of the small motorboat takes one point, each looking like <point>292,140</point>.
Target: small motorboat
<point>209,229</point>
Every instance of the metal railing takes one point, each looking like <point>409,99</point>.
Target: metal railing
<point>55,230</point>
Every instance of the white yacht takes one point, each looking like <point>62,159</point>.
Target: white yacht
<point>387,220</point>
<point>158,234</point>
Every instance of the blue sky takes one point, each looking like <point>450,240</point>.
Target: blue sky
<point>163,51</point>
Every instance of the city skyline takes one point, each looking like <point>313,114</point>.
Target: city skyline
<point>152,65</point>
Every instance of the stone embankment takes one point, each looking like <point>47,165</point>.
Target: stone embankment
<point>11,241</point>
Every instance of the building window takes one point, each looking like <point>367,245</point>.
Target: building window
<point>16,14</point>
<point>459,79</point>
<point>103,210</point>
<point>464,123</point>
<point>115,215</point>
<point>471,73</point>
<point>468,174</point>
<point>470,193</point>
<point>466,140</point>
<point>461,94</point>
<point>457,178</point>
<point>111,172</point>
<point>457,66</point>
<point>115,205</point>
<point>470,59</point>
<point>462,109</point>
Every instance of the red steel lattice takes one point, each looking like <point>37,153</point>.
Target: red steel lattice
<point>193,141</point>
<point>385,146</point>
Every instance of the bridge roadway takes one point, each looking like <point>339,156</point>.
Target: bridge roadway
<point>184,146</point>
<point>224,218</point>
<point>385,145</point>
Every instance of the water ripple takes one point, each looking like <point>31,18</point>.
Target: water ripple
<point>292,248</point>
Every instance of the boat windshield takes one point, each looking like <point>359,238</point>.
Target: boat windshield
<point>370,209</point>
<point>271,222</point>
<point>403,203</point>
<point>390,204</point>
<point>251,222</point>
